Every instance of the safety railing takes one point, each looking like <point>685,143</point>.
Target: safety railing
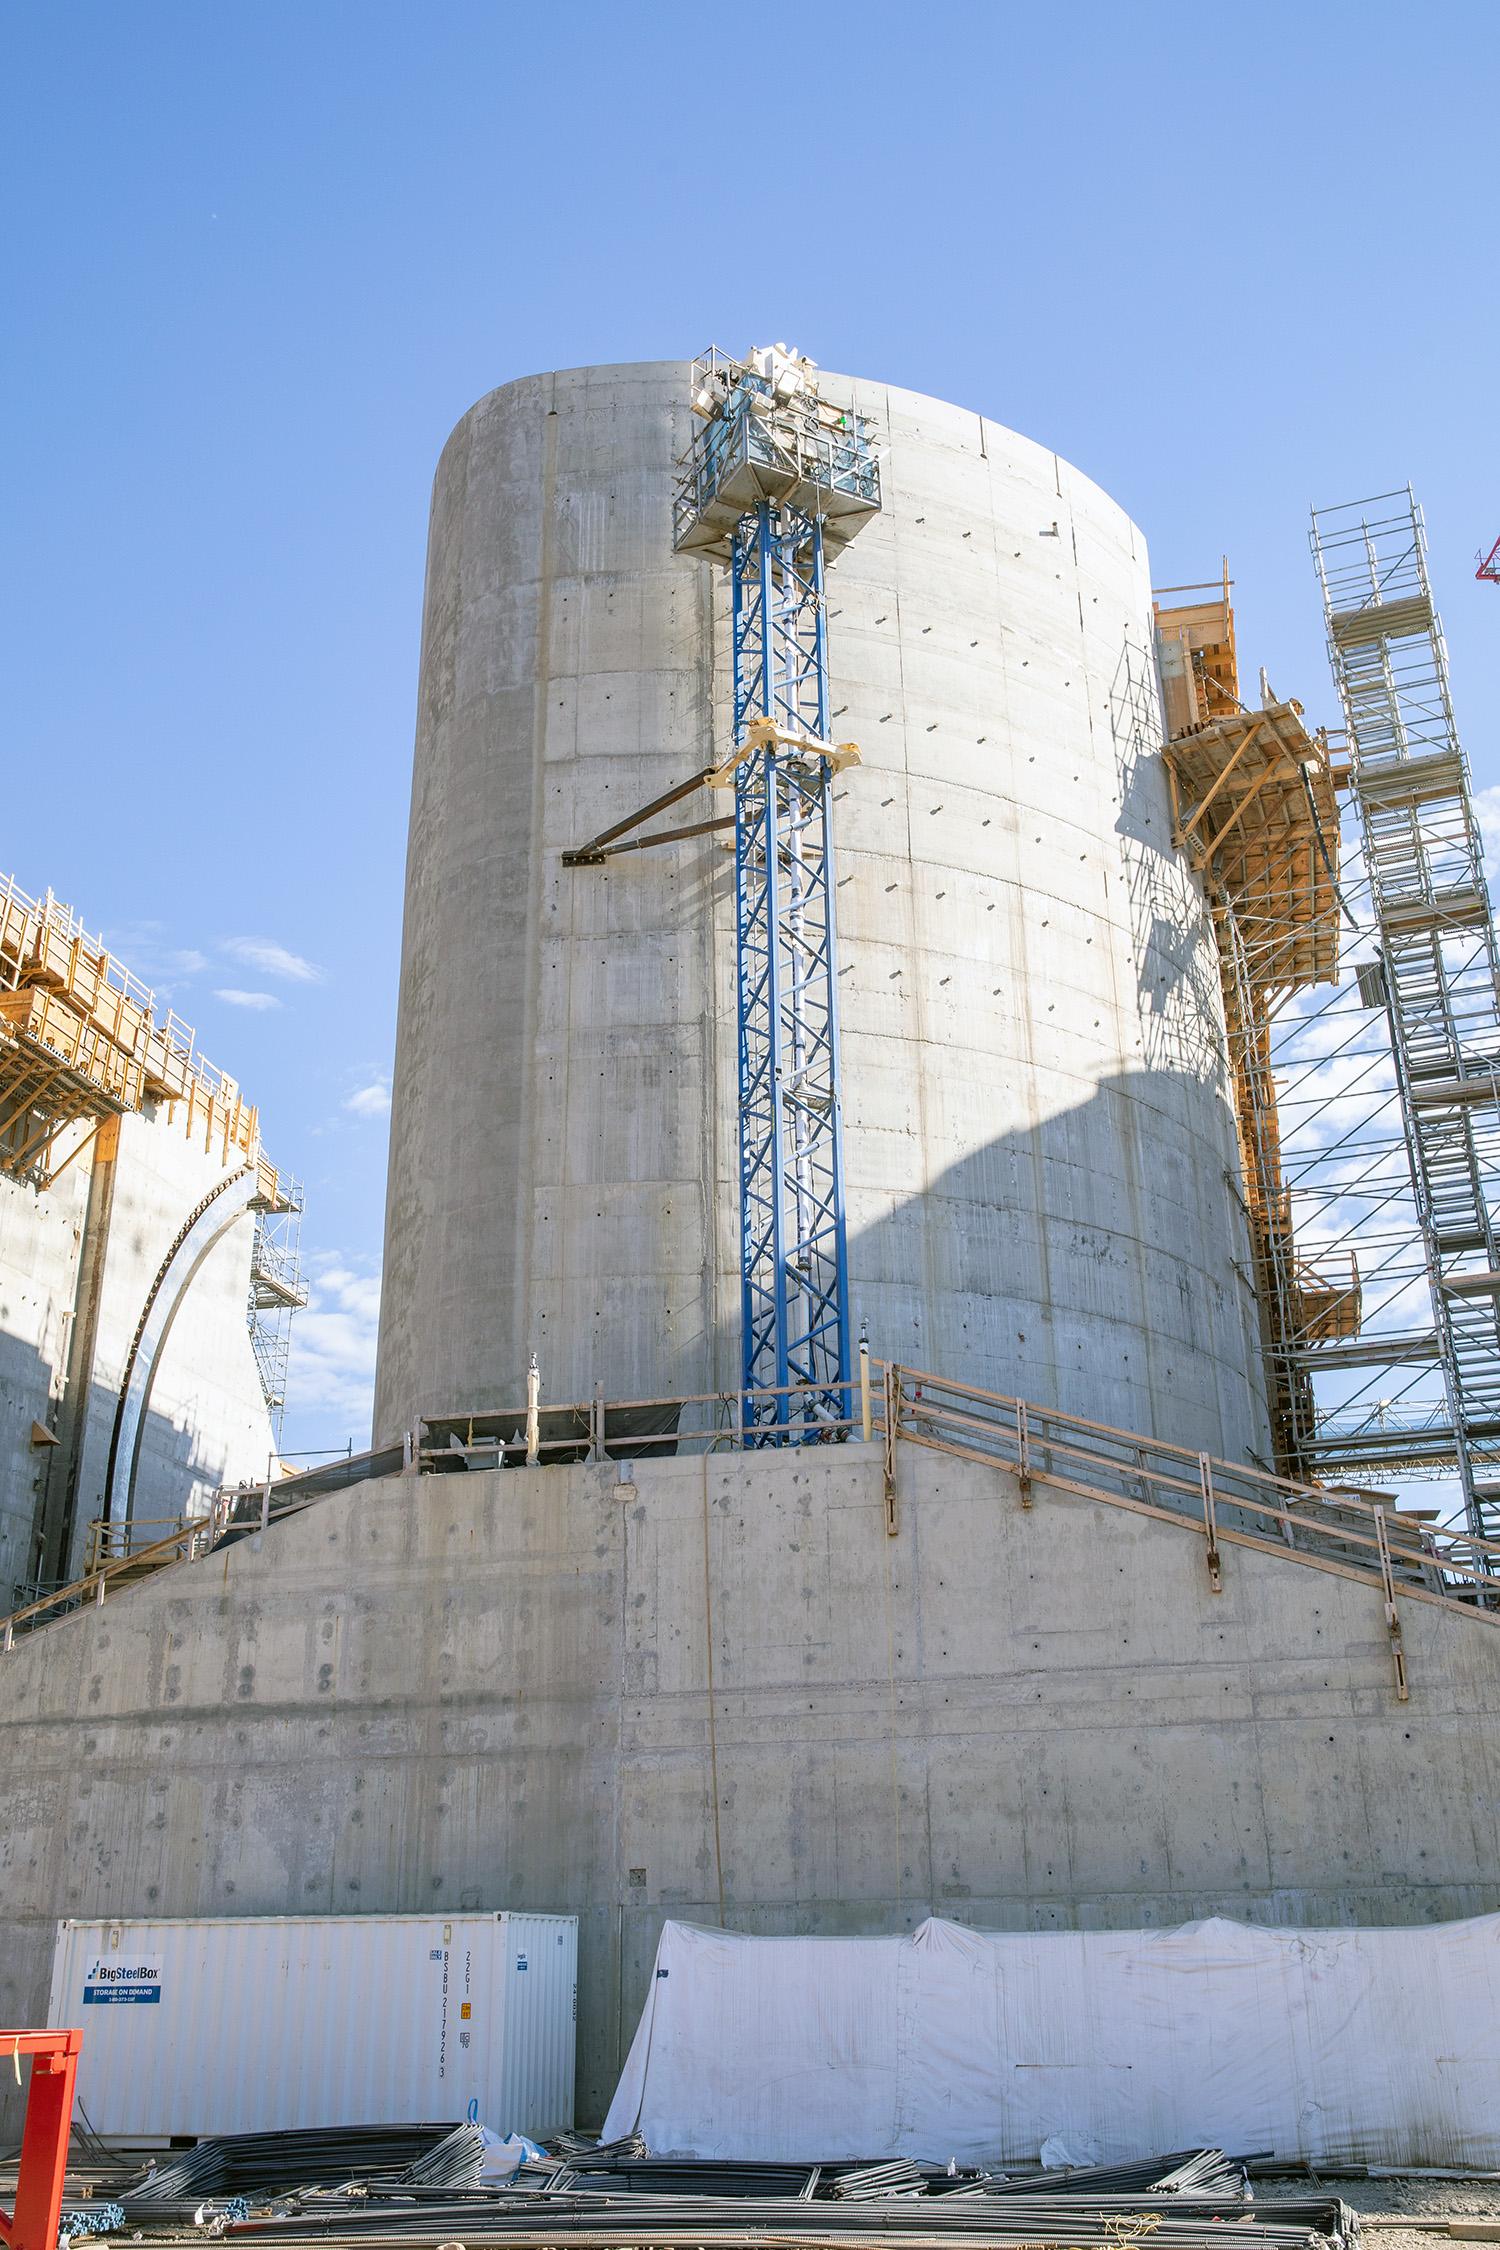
<point>118,1554</point>
<point>1223,1502</point>
<point>124,1542</point>
<point>179,1545</point>
<point>629,1429</point>
<point>1331,1529</point>
<point>100,1019</point>
<point>28,925</point>
<point>283,1494</point>
<point>1326,1527</point>
<point>749,422</point>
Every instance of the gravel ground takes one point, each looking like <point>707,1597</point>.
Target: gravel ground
<point>1433,2202</point>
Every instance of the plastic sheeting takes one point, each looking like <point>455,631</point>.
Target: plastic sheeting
<point>1353,2046</point>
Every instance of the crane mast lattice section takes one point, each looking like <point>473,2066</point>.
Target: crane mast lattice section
<point>793,1255</point>
<point>1439,965</point>
<point>775,480</point>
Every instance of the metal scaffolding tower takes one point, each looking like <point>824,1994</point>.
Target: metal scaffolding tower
<point>1437,974</point>
<point>1254,811</point>
<point>778,477</point>
<point>777,480</point>
<point>793,1262</point>
<point>277,1290</point>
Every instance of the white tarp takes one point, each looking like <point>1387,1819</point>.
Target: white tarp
<point>1357,2046</point>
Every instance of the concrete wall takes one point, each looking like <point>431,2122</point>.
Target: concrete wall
<point>1040,1158</point>
<point>41,1238</point>
<point>491,1690</point>
<point>76,1262</point>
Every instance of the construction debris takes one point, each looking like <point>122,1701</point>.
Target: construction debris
<point>898,2178</point>
<point>254,2168</point>
<point>89,2218</point>
<point>418,2184</point>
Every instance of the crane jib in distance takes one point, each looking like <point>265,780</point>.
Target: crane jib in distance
<point>776,481</point>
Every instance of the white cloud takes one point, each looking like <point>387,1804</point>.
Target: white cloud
<point>370,1101</point>
<point>143,948</point>
<point>1487,813</point>
<point>237,999</point>
<point>272,959</point>
<point>332,1370</point>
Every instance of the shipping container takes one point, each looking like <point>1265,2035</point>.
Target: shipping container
<point>249,2023</point>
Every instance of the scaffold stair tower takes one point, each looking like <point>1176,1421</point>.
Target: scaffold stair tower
<point>1439,966</point>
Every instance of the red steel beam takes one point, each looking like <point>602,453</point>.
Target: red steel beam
<point>44,2141</point>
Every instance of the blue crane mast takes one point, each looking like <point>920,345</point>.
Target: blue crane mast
<point>776,482</point>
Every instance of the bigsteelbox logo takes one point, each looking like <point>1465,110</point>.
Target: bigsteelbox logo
<point>113,1983</point>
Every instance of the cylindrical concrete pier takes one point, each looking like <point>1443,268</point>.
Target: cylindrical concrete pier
<point>1040,1156</point>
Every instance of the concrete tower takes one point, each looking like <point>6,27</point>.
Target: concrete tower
<point>1040,1158</point>
<point>800,1689</point>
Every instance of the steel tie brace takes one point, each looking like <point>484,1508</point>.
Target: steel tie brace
<point>1392,1614</point>
<point>892,1433</point>
<point>1210,1522</point>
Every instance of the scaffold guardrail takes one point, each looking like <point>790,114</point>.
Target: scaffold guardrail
<point>81,1038</point>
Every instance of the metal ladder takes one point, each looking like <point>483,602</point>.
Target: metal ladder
<point>1439,961</point>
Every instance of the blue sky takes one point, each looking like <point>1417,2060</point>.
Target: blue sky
<point>258,259</point>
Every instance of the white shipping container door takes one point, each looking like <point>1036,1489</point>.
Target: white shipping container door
<point>253,2023</point>
<point>539,2021</point>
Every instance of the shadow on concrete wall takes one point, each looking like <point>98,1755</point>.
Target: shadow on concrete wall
<point>1097,1261</point>
<point>30,1471</point>
<point>1176,956</point>
<point>1094,1262</point>
<point>51,1493</point>
<point>170,1468</point>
